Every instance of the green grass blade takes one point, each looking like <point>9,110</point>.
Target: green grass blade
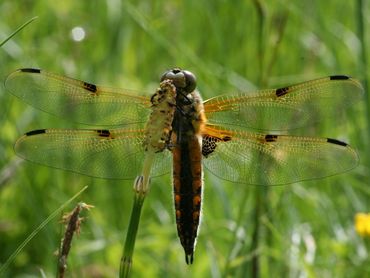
<point>18,30</point>
<point>126,260</point>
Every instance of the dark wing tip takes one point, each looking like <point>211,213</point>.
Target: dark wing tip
<point>35,132</point>
<point>336,142</point>
<point>32,70</point>
<point>339,77</point>
<point>13,74</point>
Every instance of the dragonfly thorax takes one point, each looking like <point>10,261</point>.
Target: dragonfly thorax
<point>189,115</point>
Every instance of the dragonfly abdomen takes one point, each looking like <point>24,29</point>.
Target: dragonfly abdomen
<point>187,175</point>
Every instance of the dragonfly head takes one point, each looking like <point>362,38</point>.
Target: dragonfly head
<point>182,79</point>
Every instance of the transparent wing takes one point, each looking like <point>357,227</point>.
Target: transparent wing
<point>111,154</point>
<point>77,100</point>
<point>285,108</point>
<point>265,159</point>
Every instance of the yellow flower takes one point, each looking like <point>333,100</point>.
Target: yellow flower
<point>362,224</point>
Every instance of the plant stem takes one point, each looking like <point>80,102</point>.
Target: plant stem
<point>126,260</point>
<point>141,189</point>
<point>259,205</point>
<point>363,63</point>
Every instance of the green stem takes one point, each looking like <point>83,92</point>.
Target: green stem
<point>259,198</point>
<point>260,46</point>
<point>126,260</point>
<point>141,188</point>
<point>363,62</point>
<point>256,235</point>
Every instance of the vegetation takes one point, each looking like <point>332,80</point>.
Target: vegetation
<point>304,229</point>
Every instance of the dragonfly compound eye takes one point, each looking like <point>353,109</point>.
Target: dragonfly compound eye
<point>181,79</point>
<point>191,81</point>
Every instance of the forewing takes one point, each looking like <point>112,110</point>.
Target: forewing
<point>77,100</point>
<point>110,154</point>
<point>265,159</point>
<point>285,108</point>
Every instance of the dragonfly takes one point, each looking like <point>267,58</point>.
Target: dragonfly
<point>236,137</point>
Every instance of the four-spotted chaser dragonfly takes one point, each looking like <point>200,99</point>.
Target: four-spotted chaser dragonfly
<point>217,133</point>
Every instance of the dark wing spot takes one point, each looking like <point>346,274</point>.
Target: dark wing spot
<point>90,87</point>
<point>30,70</point>
<point>339,77</point>
<point>337,142</point>
<point>282,91</point>
<point>271,138</point>
<point>103,132</point>
<point>35,132</point>
<point>209,143</point>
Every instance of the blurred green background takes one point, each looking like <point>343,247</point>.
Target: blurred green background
<point>305,229</point>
